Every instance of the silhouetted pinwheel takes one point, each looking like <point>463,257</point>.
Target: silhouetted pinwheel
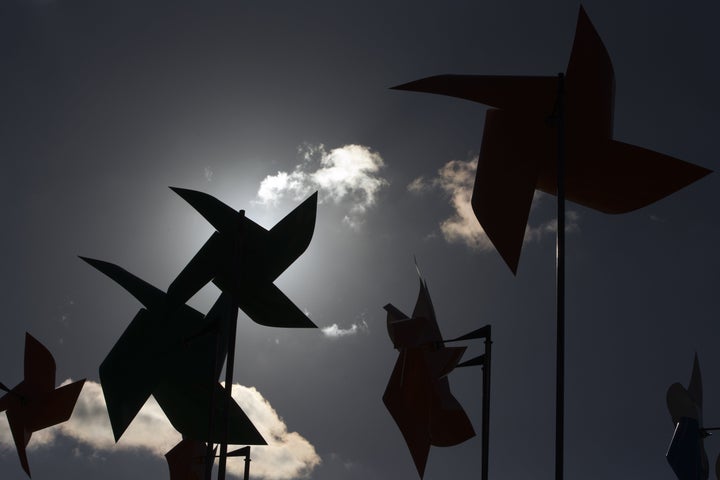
<point>686,453</point>
<point>176,355</point>
<point>520,147</point>
<point>555,134</point>
<point>35,403</point>
<point>418,393</point>
<point>188,460</point>
<point>243,259</point>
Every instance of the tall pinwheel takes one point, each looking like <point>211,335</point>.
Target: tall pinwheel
<point>35,403</point>
<point>554,133</point>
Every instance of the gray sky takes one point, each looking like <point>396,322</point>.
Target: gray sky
<point>107,103</point>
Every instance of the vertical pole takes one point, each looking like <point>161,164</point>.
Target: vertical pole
<point>228,388</point>
<point>229,365</point>
<point>247,464</point>
<point>560,285</point>
<point>486,405</point>
<point>210,451</point>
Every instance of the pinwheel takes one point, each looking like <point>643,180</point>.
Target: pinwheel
<point>35,403</point>
<point>686,453</point>
<point>243,259</point>
<point>519,150</point>
<point>418,393</point>
<point>188,460</point>
<point>554,134</point>
<point>176,355</point>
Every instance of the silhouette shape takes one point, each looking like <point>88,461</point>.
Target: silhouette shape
<point>35,403</point>
<point>261,256</point>
<point>175,354</point>
<point>686,453</point>
<point>519,144</point>
<point>418,393</point>
<point>188,460</point>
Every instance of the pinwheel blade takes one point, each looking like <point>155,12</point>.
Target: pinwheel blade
<point>685,451</point>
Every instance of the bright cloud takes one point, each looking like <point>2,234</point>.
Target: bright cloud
<point>334,331</point>
<point>347,175</point>
<point>287,456</point>
<point>456,179</point>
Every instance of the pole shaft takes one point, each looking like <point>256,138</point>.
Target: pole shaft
<point>230,364</point>
<point>228,388</point>
<point>247,466</point>
<point>486,406</point>
<point>560,285</point>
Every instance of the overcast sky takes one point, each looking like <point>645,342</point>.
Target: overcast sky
<point>106,103</point>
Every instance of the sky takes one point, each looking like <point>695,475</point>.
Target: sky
<point>107,103</point>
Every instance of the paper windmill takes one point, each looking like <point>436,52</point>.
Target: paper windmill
<point>176,355</point>
<point>188,460</point>
<point>35,403</point>
<point>243,259</point>
<point>519,145</point>
<point>686,453</point>
<point>418,394</point>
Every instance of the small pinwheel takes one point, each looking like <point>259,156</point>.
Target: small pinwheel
<point>35,403</point>
<point>418,393</point>
<point>686,453</point>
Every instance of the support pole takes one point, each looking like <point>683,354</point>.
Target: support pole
<point>560,284</point>
<point>228,388</point>
<point>247,464</point>
<point>229,365</point>
<point>486,405</point>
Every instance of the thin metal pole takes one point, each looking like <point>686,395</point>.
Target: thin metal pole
<point>229,365</point>
<point>247,465</point>
<point>486,406</point>
<point>560,285</point>
<point>228,388</point>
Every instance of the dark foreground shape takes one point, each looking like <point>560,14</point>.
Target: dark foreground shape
<point>243,259</point>
<point>418,393</point>
<point>686,453</point>
<point>175,354</point>
<point>35,403</point>
<point>519,145</point>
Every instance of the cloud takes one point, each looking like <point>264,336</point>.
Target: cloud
<point>288,455</point>
<point>456,179</point>
<point>334,331</point>
<point>419,185</point>
<point>208,174</point>
<point>347,175</point>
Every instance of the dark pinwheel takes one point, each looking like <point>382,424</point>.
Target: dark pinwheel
<point>243,259</point>
<point>686,453</point>
<point>418,393</point>
<point>35,403</point>
<point>519,144</point>
<point>175,354</point>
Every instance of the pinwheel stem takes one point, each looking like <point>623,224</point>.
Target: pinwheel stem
<point>247,465</point>
<point>230,361</point>
<point>486,405</point>
<point>560,285</point>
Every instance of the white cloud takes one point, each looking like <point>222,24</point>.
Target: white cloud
<point>348,175</point>
<point>456,179</point>
<point>208,174</point>
<point>288,455</point>
<point>334,331</point>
